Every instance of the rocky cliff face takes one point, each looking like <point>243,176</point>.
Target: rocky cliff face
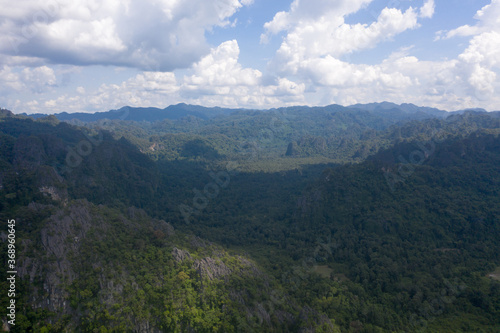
<point>213,268</point>
<point>48,259</point>
<point>51,262</point>
<point>276,310</point>
<point>69,246</point>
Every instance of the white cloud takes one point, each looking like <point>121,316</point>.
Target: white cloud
<point>315,34</point>
<point>96,35</point>
<point>9,81</point>
<point>483,49</point>
<point>464,30</point>
<point>480,62</point>
<point>39,79</point>
<point>36,80</point>
<point>471,80</point>
<point>488,19</point>
<point>151,35</point>
<point>427,10</point>
<point>308,11</point>
<point>221,68</point>
<point>147,88</point>
<point>318,38</point>
<point>219,79</point>
<point>330,71</point>
<point>159,82</point>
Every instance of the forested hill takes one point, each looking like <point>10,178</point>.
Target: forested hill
<point>91,256</point>
<point>384,110</point>
<point>287,220</point>
<point>144,114</point>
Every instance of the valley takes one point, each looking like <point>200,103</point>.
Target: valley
<point>368,218</point>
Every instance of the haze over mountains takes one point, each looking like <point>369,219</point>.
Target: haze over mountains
<point>183,110</point>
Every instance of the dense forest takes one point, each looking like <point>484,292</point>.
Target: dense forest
<point>369,218</point>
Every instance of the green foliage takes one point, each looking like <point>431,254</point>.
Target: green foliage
<point>371,223</point>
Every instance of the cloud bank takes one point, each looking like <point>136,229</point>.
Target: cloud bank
<point>165,42</point>
<point>151,35</point>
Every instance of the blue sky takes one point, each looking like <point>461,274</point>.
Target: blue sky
<point>87,56</point>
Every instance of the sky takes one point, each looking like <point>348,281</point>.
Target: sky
<point>88,55</point>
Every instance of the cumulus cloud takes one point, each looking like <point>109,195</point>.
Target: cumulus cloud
<point>316,31</point>
<point>39,79</point>
<point>151,35</point>
<point>330,71</point>
<point>317,38</point>
<point>488,19</point>
<point>36,80</point>
<point>147,88</point>
<point>9,80</point>
<point>221,68</point>
<point>427,10</point>
<point>480,62</point>
<point>219,79</point>
<point>308,11</point>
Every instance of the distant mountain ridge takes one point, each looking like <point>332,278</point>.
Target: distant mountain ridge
<point>174,112</point>
<point>150,114</point>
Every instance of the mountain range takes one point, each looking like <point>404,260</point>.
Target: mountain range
<point>181,110</point>
<point>368,218</point>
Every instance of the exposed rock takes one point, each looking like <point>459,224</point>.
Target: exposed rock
<point>50,183</point>
<point>52,191</point>
<point>155,146</point>
<point>51,260</point>
<point>60,236</point>
<point>211,268</point>
<point>180,255</point>
<point>5,326</point>
<point>72,224</point>
<point>27,266</point>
